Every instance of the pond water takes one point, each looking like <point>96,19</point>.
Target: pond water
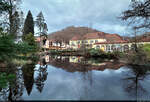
<point>76,78</point>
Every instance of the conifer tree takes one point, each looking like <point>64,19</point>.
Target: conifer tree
<point>28,25</point>
<point>40,22</point>
<point>42,26</point>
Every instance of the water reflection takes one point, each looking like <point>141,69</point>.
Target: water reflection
<point>134,82</point>
<point>41,78</point>
<point>77,78</point>
<point>73,64</point>
<point>14,88</point>
<point>28,76</point>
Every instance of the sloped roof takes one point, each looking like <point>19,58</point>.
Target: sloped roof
<point>77,37</point>
<point>113,38</point>
<point>108,37</point>
<point>145,39</point>
<point>94,35</point>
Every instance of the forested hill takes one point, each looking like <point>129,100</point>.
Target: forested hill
<point>67,33</point>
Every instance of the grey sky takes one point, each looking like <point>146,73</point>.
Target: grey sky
<point>100,14</point>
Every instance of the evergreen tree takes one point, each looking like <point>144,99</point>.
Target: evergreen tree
<point>40,23</point>
<point>28,25</point>
<point>16,24</point>
<point>45,29</point>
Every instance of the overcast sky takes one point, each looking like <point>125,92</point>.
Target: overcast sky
<point>98,14</point>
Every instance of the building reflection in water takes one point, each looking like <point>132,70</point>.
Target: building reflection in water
<point>73,64</point>
<point>133,82</point>
<point>84,67</point>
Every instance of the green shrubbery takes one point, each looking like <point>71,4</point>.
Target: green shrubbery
<point>5,79</point>
<point>102,54</point>
<point>146,49</point>
<point>9,49</point>
<point>139,57</point>
<point>7,46</point>
<point>95,52</point>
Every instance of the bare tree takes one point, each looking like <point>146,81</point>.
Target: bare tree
<point>138,14</point>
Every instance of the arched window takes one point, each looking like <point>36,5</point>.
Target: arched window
<point>119,48</point>
<point>108,48</point>
<point>113,47</point>
<point>133,46</point>
<point>126,48</point>
<point>97,47</point>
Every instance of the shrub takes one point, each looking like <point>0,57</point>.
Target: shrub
<point>95,52</point>
<point>139,57</point>
<point>146,49</point>
<point>9,49</point>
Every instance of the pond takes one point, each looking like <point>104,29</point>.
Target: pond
<point>77,78</point>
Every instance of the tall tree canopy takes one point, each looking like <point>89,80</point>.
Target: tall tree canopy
<point>4,6</point>
<point>28,25</point>
<point>10,18</point>
<point>40,23</point>
<point>138,14</point>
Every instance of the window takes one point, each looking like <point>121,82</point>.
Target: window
<point>72,44</point>
<point>78,42</point>
<point>96,41</point>
<point>98,47</point>
<point>126,48</point>
<point>113,47</point>
<point>91,41</point>
<point>86,41</point>
<point>107,47</point>
<point>133,46</point>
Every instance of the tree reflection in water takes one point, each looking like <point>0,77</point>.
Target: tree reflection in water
<point>15,87</point>
<point>28,76</point>
<point>87,86</point>
<point>133,83</point>
<point>86,76</point>
<point>41,75</point>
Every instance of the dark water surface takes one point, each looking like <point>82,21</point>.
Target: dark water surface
<point>76,78</point>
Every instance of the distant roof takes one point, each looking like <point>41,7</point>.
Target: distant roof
<point>94,35</point>
<point>102,35</point>
<point>77,37</point>
<point>113,38</point>
<point>145,39</point>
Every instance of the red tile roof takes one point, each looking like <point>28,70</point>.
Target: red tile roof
<point>77,37</point>
<point>145,39</point>
<point>108,37</point>
<point>113,38</point>
<point>94,35</point>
